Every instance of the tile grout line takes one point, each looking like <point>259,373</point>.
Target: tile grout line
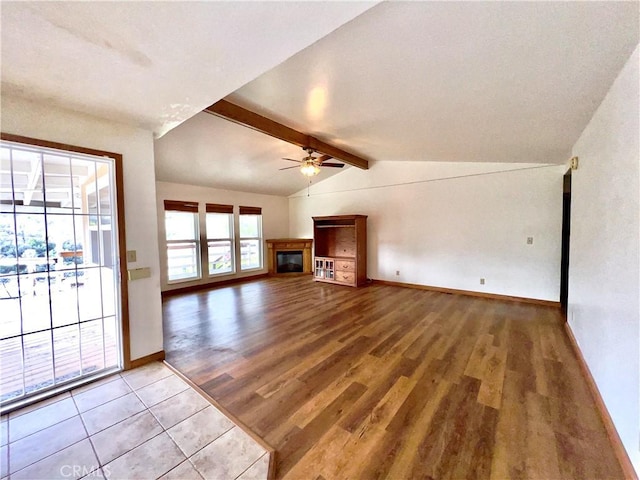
<point>146,408</point>
<point>99,466</point>
<point>45,457</point>
<point>209,404</point>
<point>179,449</point>
<point>70,396</point>
<point>205,446</point>
<point>249,467</point>
<point>9,473</point>
<point>131,449</point>
<point>124,377</point>
<point>194,467</point>
<point>166,430</point>
<point>64,390</point>
<point>186,418</point>
<point>117,423</point>
<point>44,428</point>
<point>11,414</point>
<point>100,382</point>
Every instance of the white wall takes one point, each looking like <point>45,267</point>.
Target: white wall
<point>604,283</point>
<point>450,224</point>
<point>275,221</point>
<point>29,119</point>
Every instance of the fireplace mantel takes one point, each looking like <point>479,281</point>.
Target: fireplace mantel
<point>276,245</point>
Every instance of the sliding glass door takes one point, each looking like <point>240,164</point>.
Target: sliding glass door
<point>59,271</point>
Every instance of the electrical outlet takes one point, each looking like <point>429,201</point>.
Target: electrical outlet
<point>482,281</point>
<point>529,240</point>
<point>397,273</point>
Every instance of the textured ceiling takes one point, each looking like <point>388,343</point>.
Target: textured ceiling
<point>454,81</point>
<point>419,81</point>
<point>210,151</point>
<point>152,64</point>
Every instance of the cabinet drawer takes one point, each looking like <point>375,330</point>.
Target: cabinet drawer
<point>345,277</point>
<point>346,265</point>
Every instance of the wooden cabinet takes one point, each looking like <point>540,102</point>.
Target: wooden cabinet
<point>324,269</point>
<point>340,249</point>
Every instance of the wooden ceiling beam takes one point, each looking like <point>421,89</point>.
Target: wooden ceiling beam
<point>335,152</point>
<point>247,118</point>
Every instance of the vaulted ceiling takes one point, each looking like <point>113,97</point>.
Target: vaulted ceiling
<point>153,64</point>
<point>421,81</point>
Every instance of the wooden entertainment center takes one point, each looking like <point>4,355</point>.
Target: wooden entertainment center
<point>340,249</point>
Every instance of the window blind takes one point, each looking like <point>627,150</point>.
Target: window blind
<point>176,205</point>
<point>250,211</point>
<point>219,208</point>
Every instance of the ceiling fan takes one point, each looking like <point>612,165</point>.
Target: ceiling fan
<point>310,165</point>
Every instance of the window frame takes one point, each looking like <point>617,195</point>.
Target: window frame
<point>184,207</point>
<point>227,210</point>
<point>256,212</point>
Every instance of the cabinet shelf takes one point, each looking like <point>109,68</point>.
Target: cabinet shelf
<point>335,226</point>
<point>340,249</point>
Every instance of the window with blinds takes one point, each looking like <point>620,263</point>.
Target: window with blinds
<point>220,239</point>
<point>183,240</point>
<point>250,222</point>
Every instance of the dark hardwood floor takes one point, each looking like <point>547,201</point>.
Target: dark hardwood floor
<point>390,382</point>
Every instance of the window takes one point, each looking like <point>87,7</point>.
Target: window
<point>220,239</point>
<point>183,240</point>
<point>250,238</point>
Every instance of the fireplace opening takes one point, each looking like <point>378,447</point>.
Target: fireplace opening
<point>289,261</point>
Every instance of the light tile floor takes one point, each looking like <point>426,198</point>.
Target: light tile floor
<point>141,424</point>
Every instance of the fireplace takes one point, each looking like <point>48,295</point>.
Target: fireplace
<point>289,261</point>
<point>289,256</point>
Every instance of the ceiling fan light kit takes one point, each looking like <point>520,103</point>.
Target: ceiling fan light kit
<point>310,165</point>
<point>309,169</point>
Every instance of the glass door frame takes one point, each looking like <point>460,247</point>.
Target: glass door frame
<point>122,264</point>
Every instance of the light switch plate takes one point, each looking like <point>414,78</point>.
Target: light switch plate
<point>131,256</point>
<point>529,240</point>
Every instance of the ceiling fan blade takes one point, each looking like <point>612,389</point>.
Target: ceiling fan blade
<point>335,165</point>
<point>323,158</point>
<point>287,168</point>
<point>292,160</point>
